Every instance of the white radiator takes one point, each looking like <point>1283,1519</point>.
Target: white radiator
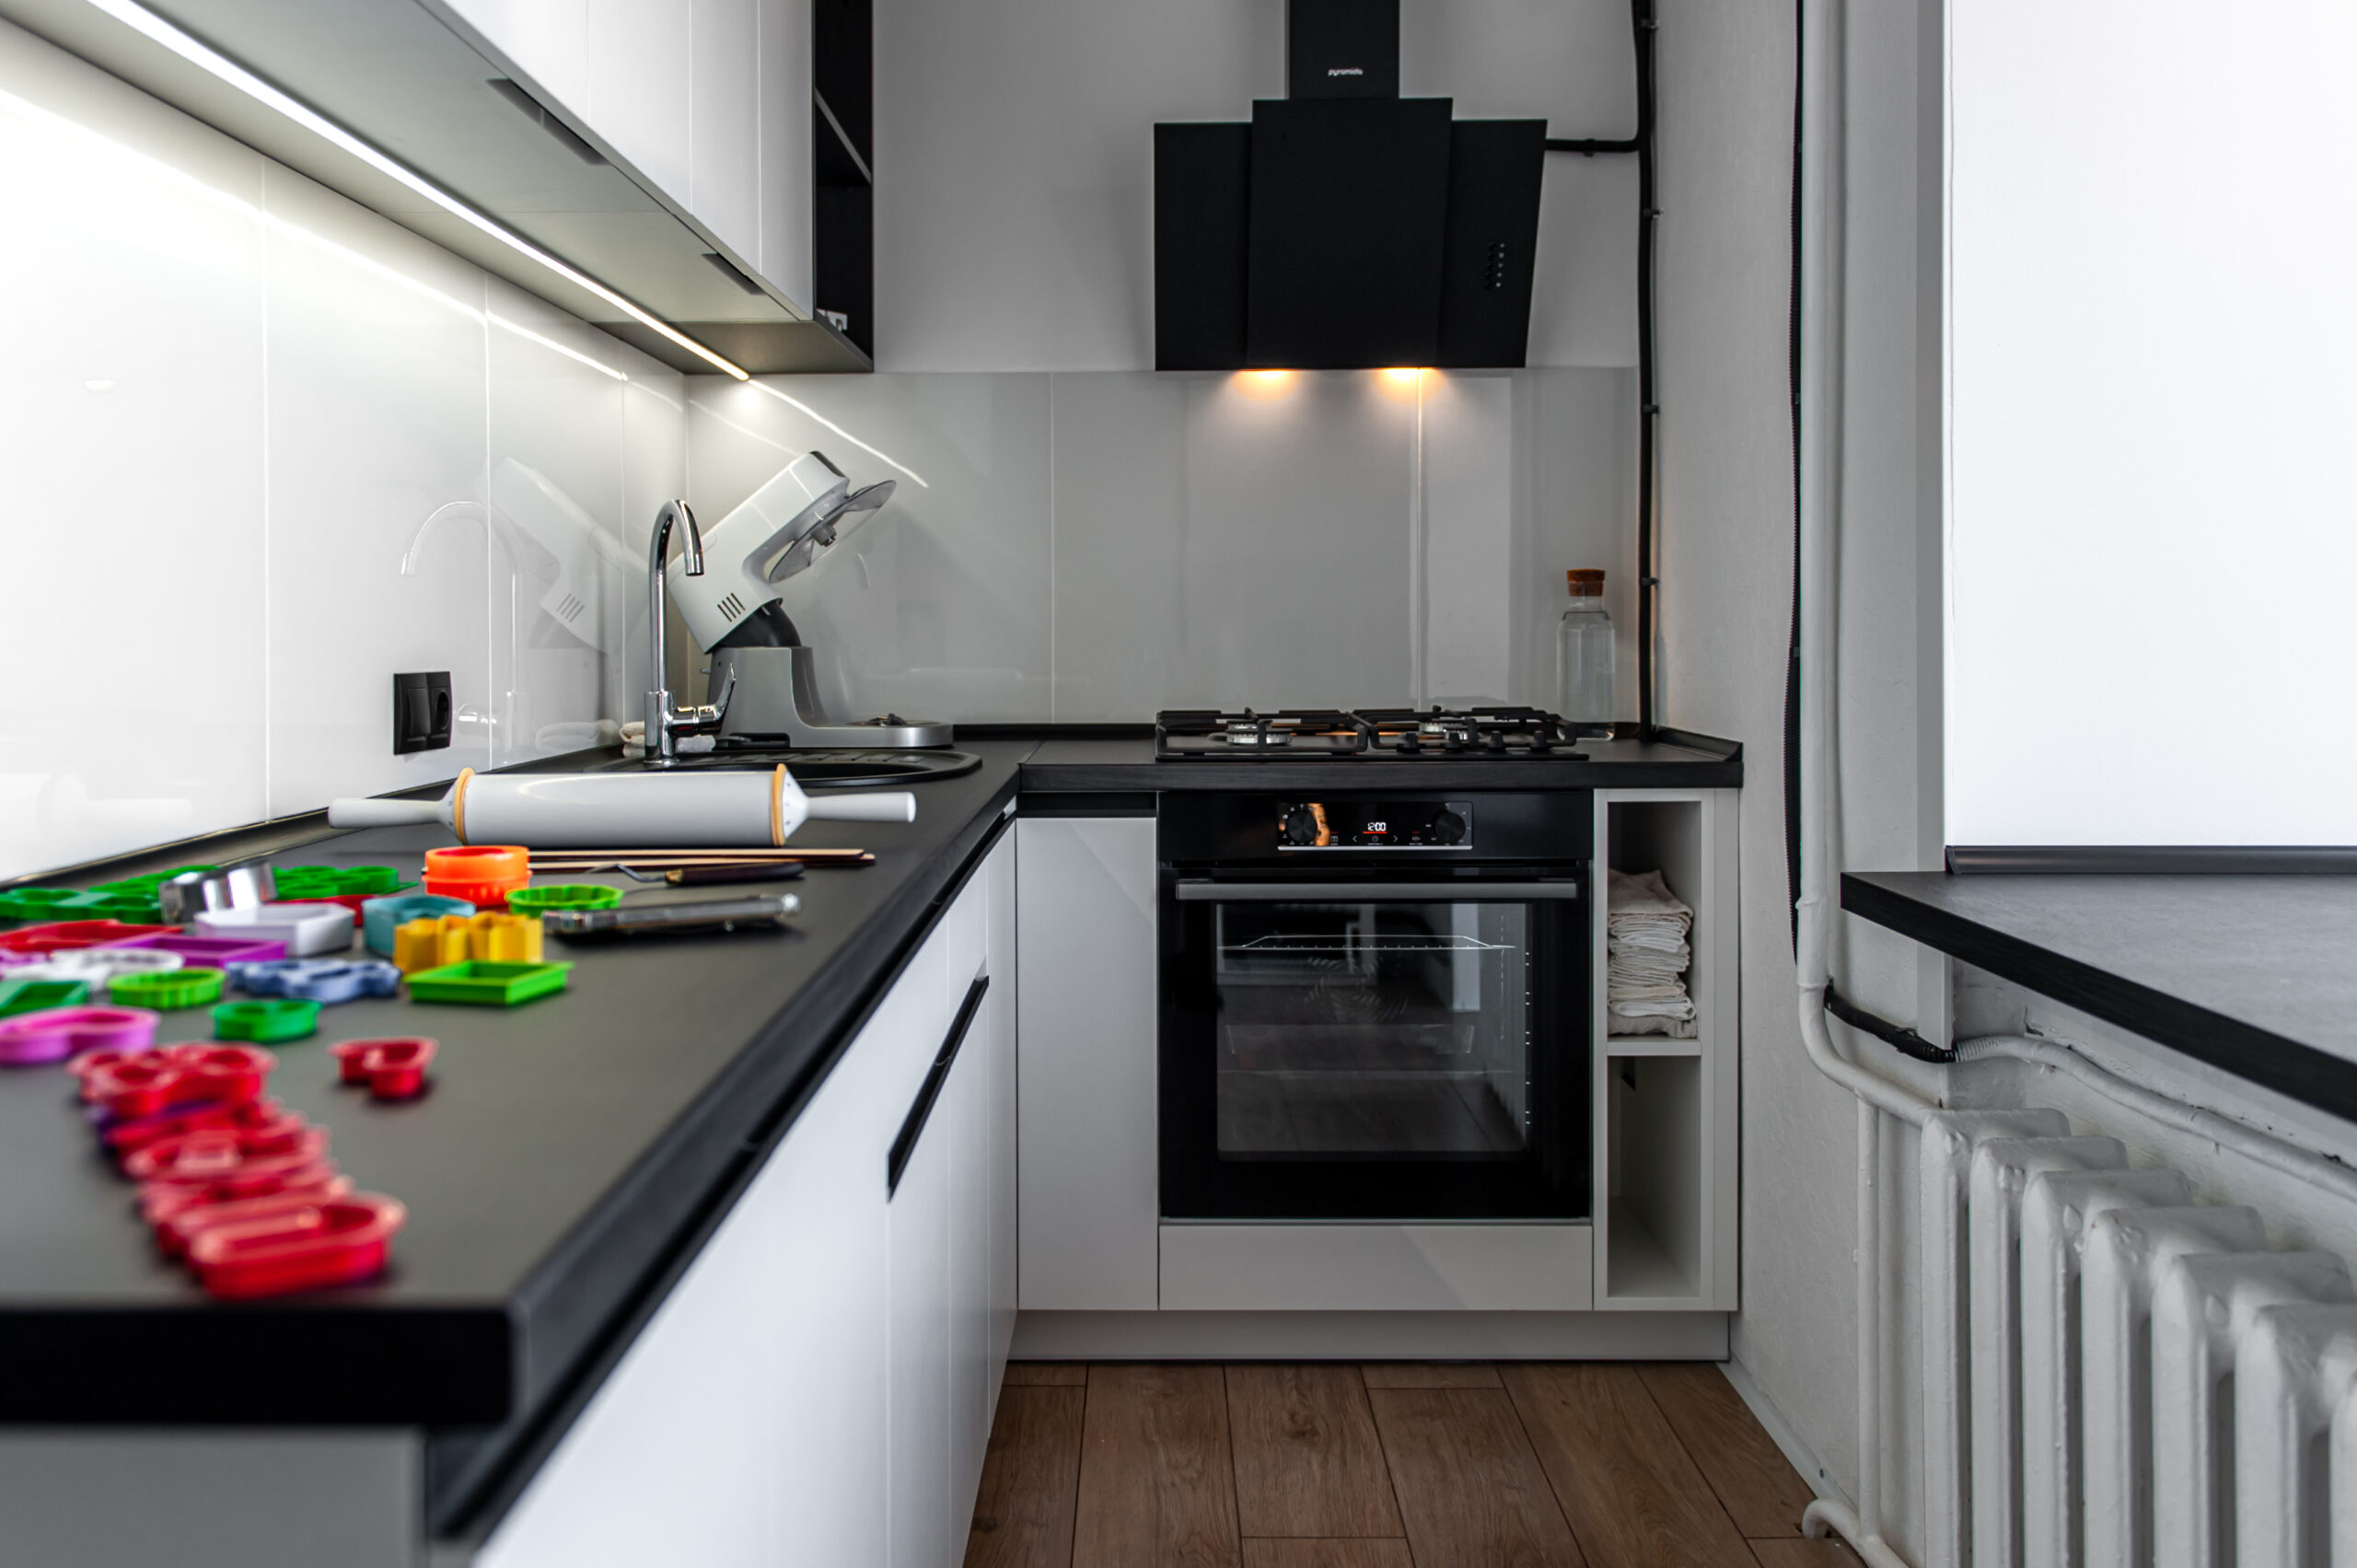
<point>2117,1377</point>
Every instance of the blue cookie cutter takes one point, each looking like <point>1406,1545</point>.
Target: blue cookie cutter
<point>325,981</point>
<point>380,917</point>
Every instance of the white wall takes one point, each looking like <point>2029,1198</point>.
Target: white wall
<point>230,400</point>
<point>2153,528</point>
<point>1726,118</point>
<point>1014,163</point>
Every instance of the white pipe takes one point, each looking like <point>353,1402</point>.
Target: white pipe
<point>2264,1148</point>
<point>1820,463</point>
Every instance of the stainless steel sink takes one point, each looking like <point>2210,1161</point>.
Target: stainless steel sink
<point>827,769</point>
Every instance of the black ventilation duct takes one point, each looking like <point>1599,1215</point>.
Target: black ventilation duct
<point>1345,228</point>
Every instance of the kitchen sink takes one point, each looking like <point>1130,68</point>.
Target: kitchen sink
<point>826,769</point>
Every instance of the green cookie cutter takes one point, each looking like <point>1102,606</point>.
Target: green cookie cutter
<point>167,991</point>
<point>563,895</point>
<point>487,984</point>
<point>266,1023</point>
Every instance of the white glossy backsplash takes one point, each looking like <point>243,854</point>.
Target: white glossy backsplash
<point>1089,547</point>
<point>229,403</point>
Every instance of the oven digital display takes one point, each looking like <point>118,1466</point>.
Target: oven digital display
<point>1387,824</point>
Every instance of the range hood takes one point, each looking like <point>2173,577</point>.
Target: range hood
<point>1345,228</point>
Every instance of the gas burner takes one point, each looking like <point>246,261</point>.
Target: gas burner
<point>1376,733</point>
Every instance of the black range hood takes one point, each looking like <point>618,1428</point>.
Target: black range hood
<point>1345,228</point>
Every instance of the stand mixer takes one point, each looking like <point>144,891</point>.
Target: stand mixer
<point>733,612</point>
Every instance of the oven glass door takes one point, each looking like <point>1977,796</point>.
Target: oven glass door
<point>1374,1051</point>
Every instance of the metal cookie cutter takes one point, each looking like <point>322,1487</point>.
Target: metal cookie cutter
<point>324,980</point>
<point>305,928</point>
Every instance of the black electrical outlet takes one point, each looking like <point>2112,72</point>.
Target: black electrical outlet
<point>421,711</point>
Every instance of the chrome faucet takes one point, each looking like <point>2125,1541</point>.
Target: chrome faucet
<point>666,723</point>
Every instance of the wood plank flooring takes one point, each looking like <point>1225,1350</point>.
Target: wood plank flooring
<point>1414,1465</point>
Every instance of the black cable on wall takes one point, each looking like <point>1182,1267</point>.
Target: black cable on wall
<point>1900,1037</point>
<point>1641,27</point>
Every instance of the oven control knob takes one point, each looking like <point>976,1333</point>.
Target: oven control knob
<point>1300,826</point>
<point>1447,828</point>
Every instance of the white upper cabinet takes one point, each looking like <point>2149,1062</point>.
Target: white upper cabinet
<point>781,176</point>
<point>707,98</point>
<point>724,132</point>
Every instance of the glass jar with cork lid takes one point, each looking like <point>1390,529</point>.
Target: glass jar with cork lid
<point>1584,651</point>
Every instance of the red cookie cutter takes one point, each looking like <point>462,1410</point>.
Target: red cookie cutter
<point>228,1154</point>
<point>178,1224</point>
<point>339,1242</point>
<point>140,1086</point>
<point>122,1137</point>
<point>58,936</point>
<point>392,1068</point>
<point>159,1201</point>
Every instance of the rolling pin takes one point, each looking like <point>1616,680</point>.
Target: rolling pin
<point>597,810</point>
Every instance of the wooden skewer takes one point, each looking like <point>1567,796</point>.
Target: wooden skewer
<point>635,855</point>
<point>667,861</point>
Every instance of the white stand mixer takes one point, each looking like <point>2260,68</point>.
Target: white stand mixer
<point>732,611</point>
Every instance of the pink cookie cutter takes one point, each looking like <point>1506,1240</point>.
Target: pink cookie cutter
<point>33,1039</point>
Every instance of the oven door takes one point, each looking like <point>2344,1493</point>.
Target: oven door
<point>1377,1049</point>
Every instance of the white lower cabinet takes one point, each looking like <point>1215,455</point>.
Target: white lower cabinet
<point>818,1390</point>
<point>1090,1183</point>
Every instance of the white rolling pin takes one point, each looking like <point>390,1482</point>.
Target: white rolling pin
<point>699,810</point>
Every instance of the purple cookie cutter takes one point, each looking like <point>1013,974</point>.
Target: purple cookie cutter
<point>35,1040</point>
<point>208,952</point>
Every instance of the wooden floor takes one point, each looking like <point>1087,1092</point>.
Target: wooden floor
<point>1333,1465</point>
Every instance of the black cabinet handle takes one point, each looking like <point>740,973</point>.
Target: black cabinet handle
<point>921,1110</point>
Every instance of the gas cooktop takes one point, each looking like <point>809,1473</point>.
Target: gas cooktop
<point>1377,734</point>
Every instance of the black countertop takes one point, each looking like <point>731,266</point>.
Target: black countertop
<point>2254,975</point>
<point>573,1155</point>
<point>567,1162</point>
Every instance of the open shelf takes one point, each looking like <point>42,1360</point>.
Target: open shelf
<point>1654,1181</point>
<point>842,211</point>
<point>1666,1164</point>
<point>1641,1269</point>
<point>1652,1045</point>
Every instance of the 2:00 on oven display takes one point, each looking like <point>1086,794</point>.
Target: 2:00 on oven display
<point>1331,825</point>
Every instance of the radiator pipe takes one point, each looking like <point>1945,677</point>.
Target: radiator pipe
<point>1818,256</point>
<point>2279,1154</point>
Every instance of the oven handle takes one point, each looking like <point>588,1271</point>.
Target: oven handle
<point>1202,890</point>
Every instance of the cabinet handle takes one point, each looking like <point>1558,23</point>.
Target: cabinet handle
<point>921,1110</point>
<point>1210,892</point>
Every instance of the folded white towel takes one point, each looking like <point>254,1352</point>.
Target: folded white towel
<point>1618,1023</point>
<point>1646,957</point>
<point>1644,896</point>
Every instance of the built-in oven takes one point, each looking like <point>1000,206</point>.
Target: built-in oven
<point>1374,1006</point>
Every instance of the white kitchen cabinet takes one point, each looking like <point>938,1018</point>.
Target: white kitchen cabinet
<point>1084,940</point>
<point>723,130</point>
<point>710,99</point>
<point>817,1388</point>
<point>952,1267</point>
<point>745,1424</point>
<point>784,177</point>
<point>918,1358</point>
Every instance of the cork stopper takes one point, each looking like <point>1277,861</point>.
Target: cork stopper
<point>1585,582</point>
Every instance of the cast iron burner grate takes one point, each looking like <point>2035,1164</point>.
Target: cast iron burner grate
<point>1380,734</point>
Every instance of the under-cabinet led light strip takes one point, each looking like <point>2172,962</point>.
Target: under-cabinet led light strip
<point>149,25</point>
